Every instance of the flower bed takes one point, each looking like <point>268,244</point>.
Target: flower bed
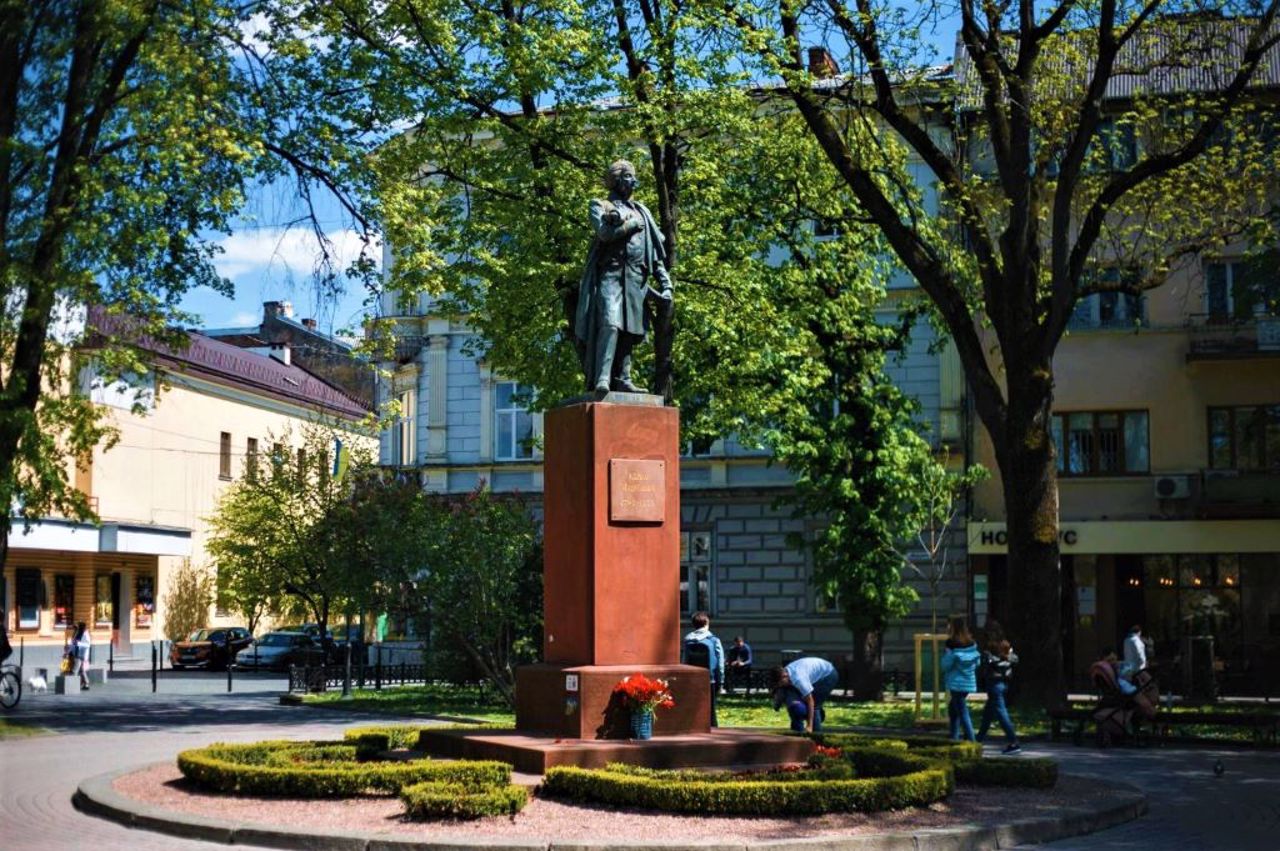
<point>865,780</point>
<point>334,770</point>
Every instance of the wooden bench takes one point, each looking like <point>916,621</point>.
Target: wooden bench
<point>753,679</point>
<point>1068,715</point>
<point>1265,725</point>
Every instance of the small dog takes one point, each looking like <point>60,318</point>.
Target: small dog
<point>38,683</point>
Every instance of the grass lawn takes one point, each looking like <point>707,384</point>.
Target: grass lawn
<point>734,711</point>
<point>17,730</point>
<point>453,703</point>
<point>430,701</point>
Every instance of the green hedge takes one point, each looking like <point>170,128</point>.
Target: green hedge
<point>379,738</point>
<point>1023,772</point>
<point>310,754</point>
<point>922,745</point>
<point>452,800</point>
<point>283,769</point>
<point>971,768</point>
<point>888,779</point>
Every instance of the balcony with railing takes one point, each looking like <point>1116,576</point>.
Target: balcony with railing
<point>1219,337</point>
<point>1239,493</point>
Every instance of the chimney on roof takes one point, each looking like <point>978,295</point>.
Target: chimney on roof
<point>309,324</point>
<point>282,352</point>
<point>822,64</point>
<point>277,308</point>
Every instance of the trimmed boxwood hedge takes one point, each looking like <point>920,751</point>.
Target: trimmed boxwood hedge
<point>453,800</point>
<point>887,779</point>
<point>375,739</point>
<point>1024,772</point>
<point>921,745</point>
<point>971,768</point>
<point>305,770</point>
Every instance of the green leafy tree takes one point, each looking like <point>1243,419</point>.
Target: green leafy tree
<point>282,536</point>
<point>187,599</point>
<point>481,580</point>
<point>484,203</point>
<point>1040,197</point>
<point>128,132</point>
<point>940,492</point>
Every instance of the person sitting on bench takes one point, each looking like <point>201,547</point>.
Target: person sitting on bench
<point>739,662</point>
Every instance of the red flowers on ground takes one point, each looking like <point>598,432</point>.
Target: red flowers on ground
<point>643,694</point>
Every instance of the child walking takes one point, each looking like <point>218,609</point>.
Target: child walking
<point>997,663</point>
<point>959,671</point>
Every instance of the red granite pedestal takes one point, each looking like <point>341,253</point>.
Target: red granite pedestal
<point>611,583</point>
<point>534,754</point>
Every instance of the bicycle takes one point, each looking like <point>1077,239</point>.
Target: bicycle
<point>10,687</point>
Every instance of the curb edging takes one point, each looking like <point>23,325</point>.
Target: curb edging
<point>97,796</point>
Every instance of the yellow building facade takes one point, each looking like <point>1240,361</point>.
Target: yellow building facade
<point>205,412</point>
<point>1167,425</point>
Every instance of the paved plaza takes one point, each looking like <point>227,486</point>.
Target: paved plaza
<point>125,725</point>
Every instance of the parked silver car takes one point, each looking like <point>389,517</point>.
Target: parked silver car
<point>278,650</point>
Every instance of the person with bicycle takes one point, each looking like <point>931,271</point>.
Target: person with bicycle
<point>10,685</point>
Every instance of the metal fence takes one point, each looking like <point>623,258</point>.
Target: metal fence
<point>376,675</point>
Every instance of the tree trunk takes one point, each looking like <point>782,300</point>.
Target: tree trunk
<point>864,680</point>
<point>1028,468</point>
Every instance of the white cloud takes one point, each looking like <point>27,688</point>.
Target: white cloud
<point>279,253</point>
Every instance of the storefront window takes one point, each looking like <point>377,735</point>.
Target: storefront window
<point>145,594</point>
<point>1195,595</point>
<point>28,598</point>
<point>64,600</point>
<point>102,612</point>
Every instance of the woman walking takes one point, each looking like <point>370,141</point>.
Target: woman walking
<point>959,671</point>
<point>80,644</point>
<point>997,665</point>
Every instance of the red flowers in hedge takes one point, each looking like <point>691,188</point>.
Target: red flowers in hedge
<point>643,694</point>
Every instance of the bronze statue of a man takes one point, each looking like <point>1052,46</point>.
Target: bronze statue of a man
<point>624,267</point>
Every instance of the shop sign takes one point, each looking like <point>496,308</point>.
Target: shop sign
<point>1067,536</point>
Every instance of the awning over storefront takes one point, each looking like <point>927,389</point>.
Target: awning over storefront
<point>53,533</point>
<point>1143,536</point>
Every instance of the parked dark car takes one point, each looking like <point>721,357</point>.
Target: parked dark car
<point>353,634</point>
<point>278,650</point>
<point>209,648</point>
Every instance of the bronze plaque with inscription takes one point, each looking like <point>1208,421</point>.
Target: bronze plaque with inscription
<point>637,491</point>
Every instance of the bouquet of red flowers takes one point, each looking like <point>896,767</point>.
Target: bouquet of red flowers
<point>642,694</point>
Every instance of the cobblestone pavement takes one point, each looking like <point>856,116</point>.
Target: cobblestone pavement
<point>1190,808</point>
<point>124,725</point>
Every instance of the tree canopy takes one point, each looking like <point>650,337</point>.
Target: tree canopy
<point>1077,149</point>
<point>130,131</point>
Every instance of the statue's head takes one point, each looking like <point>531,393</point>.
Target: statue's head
<point>621,178</point>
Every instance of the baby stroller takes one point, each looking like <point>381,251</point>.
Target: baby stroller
<point>1122,707</point>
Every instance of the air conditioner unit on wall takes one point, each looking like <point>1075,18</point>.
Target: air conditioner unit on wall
<point>1173,487</point>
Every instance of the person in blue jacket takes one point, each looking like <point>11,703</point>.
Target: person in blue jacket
<point>702,648</point>
<point>959,672</point>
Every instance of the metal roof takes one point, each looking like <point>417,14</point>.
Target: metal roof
<point>227,364</point>
<point>1167,57</point>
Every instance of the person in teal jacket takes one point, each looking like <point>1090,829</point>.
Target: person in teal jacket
<point>959,672</point>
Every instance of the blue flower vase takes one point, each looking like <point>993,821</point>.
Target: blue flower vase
<point>642,725</point>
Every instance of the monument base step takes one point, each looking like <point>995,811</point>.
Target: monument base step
<point>535,754</point>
